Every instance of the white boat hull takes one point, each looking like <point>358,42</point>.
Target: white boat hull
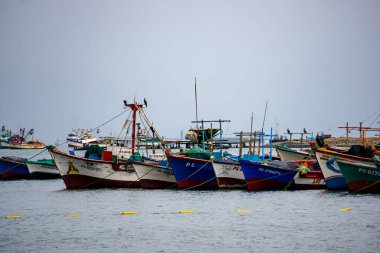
<point>286,155</point>
<point>43,171</point>
<point>229,175</point>
<point>80,172</point>
<point>154,176</point>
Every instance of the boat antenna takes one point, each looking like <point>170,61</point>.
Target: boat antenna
<point>250,136</point>
<point>196,101</point>
<point>265,114</point>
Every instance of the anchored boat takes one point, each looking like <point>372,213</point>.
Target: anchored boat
<point>193,173</point>
<point>12,167</point>
<point>331,170</point>
<point>360,177</point>
<point>259,176</point>
<point>43,169</point>
<point>154,175</point>
<point>286,154</point>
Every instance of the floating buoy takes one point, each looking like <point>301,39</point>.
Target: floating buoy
<point>73,215</point>
<point>186,211</point>
<point>241,211</point>
<point>13,217</point>
<point>129,212</point>
<point>346,209</point>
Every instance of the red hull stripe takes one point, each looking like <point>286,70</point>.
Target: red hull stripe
<point>364,186</point>
<point>258,184</point>
<point>81,181</point>
<point>226,182</point>
<point>11,175</point>
<point>157,184</point>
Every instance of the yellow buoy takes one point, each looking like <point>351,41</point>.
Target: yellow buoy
<point>13,217</point>
<point>186,211</point>
<point>241,211</point>
<point>129,212</point>
<point>73,215</point>
<point>346,209</point>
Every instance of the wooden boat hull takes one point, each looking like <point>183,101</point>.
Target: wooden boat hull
<point>228,174</point>
<point>154,176</point>
<point>10,169</point>
<point>331,170</point>
<point>80,172</point>
<point>311,180</point>
<point>287,154</point>
<point>192,173</point>
<point>260,177</point>
<point>40,170</point>
<point>26,145</point>
<point>360,177</point>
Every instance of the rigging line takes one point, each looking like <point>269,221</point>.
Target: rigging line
<point>371,115</point>
<point>122,128</point>
<point>197,170</point>
<point>147,133</point>
<point>367,186</point>
<point>374,120</point>
<point>96,128</point>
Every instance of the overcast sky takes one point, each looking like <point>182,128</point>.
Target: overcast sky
<point>70,64</point>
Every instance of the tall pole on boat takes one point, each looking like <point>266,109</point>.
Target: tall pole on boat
<point>250,136</point>
<point>134,109</point>
<point>203,136</point>
<point>196,101</point>
<point>262,131</point>
<point>270,144</point>
<point>220,136</point>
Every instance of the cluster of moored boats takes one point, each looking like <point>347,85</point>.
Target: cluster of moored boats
<point>8,139</point>
<point>356,169</point>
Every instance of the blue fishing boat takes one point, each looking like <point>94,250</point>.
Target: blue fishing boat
<point>259,176</point>
<point>13,167</point>
<point>192,173</point>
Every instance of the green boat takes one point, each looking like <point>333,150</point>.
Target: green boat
<point>360,176</point>
<point>43,169</point>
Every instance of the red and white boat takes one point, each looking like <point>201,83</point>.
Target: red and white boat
<point>154,176</point>
<point>229,174</point>
<point>79,172</point>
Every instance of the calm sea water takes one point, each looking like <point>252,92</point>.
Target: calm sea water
<point>277,221</point>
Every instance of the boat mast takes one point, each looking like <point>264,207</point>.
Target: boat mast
<point>196,101</point>
<point>134,107</point>
<point>250,136</point>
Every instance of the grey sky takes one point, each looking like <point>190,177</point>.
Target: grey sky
<point>70,64</point>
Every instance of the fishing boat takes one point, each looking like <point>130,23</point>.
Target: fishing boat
<point>5,136</point>
<point>330,168</point>
<point>12,167</point>
<point>360,177</point>
<point>308,180</point>
<point>43,169</point>
<point>79,172</point>
<point>80,141</point>
<point>19,141</point>
<point>228,174</point>
<point>155,175</point>
<point>193,173</point>
<point>108,171</point>
<point>259,176</point>
<point>286,154</point>
<point>26,145</point>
